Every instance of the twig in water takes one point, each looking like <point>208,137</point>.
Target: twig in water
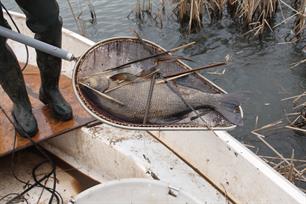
<point>292,114</point>
<point>295,120</point>
<point>77,22</point>
<point>278,165</point>
<point>269,125</point>
<point>294,97</point>
<point>298,63</point>
<point>256,122</point>
<point>289,159</point>
<point>217,73</point>
<point>295,128</point>
<point>291,166</point>
<point>261,138</point>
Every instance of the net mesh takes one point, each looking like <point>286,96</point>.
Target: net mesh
<point>121,96</point>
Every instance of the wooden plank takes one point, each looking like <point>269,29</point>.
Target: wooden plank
<point>48,126</point>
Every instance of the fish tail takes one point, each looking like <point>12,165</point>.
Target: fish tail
<point>228,107</point>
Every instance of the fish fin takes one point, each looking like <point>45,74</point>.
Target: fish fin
<point>123,77</point>
<point>228,106</point>
<point>95,83</point>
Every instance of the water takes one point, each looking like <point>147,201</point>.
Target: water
<point>259,67</point>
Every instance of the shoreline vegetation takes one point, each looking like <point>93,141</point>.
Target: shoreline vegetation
<point>255,17</point>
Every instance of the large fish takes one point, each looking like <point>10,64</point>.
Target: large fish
<point>166,104</point>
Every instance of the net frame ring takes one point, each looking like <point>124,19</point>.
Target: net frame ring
<point>96,113</point>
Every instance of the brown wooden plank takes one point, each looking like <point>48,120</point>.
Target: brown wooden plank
<point>48,126</point>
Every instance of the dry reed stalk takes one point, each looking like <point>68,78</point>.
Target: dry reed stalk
<point>285,166</point>
<point>249,146</point>
<point>300,115</point>
<point>142,8</point>
<point>290,173</point>
<point>255,15</point>
<point>293,169</point>
<point>138,10</point>
<point>298,63</point>
<point>300,6</point>
<point>190,11</point>
<point>256,122</point>
<point>217,73</point>
<point>297,97</point>
<point>261,138</point>
<point>290,170</point>
<point>295,120</point>
<point>292,114</point>
<point>216,8</point>
<point>277,166</point>
<point>76,19</point>
<point>296,129</point>
<point>269,125</point>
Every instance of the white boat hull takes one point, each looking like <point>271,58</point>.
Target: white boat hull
<point>203,163</point>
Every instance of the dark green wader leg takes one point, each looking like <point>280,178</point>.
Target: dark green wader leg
<point>12,82</point>
<point>44,20</point>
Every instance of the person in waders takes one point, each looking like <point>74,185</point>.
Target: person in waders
<point>42,17</point>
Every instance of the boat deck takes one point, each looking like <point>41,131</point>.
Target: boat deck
<point>48,126</point>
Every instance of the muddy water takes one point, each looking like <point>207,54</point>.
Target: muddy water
<point>259,67</point>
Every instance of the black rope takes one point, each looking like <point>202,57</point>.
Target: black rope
<point>12,166</point>
<point>11,194</point>
<point>38,183</point>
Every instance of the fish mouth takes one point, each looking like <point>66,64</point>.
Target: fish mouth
<point>83,79</point>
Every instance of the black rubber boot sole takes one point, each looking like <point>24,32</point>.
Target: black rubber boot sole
<point>21,131</point>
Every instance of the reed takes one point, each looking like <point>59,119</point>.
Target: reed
<point>141,8</point>
<point>300,6</point>
<point>216,9</point>
<point>291,168</point>
<point>190,13</point>
<point>254,16</point>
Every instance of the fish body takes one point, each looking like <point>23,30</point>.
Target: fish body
<point>165,102</point>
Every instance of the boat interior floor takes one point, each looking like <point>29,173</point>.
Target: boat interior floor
<point>48,126</point>
<point>21,167</point>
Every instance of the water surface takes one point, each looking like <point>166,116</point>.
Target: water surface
<point>260,67</point>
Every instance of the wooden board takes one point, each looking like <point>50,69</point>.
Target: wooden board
<point>48,126</point>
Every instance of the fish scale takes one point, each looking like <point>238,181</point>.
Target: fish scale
<point>165,104</point>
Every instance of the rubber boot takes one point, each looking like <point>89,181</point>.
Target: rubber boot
<point>50,69</point>
<point>13,84</point>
